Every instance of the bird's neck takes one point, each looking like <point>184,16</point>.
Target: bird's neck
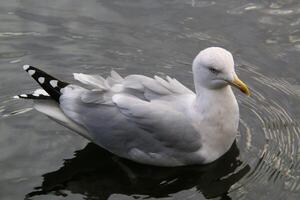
<point>223,97</point>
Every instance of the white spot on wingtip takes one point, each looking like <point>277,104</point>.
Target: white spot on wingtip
<point>53,83</point>
<point>41,80</point>
<point>23,95</point>
<point>16,97</point>
<point>41,92</point>
<point>25,67</point>
<point>31,72</point>
<point>35,94</point>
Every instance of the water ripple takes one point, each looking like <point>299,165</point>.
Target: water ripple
<point>12,107</point>
<point>18,34</point>
<point>276,159</point>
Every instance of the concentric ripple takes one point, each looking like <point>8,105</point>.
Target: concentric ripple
<point>269,135</point>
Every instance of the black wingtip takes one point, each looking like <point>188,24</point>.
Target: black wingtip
<point>31,96</point>
<point>49,83</point>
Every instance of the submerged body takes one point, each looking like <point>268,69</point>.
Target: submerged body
<point>152,120</point>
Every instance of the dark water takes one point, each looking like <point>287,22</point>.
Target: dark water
<point>42,160</point>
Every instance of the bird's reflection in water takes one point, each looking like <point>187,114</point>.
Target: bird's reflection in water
<point>95,172</point>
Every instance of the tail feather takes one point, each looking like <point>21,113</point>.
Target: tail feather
<point>51,85</point>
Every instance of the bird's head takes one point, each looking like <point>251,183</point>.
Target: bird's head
<point>213,68</point>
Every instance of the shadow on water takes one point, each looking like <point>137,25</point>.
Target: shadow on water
<point>96,173</point>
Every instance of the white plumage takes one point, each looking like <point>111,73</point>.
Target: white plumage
<point>154,120</point>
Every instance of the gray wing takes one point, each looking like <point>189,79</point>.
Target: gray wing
<point>132,117</point>
<point>166,125</point>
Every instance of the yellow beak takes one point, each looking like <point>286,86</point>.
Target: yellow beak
<point>240,85</point>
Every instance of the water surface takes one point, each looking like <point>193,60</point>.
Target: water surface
<point>42,160</point>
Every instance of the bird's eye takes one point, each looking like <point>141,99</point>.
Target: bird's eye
<point>213,70</point>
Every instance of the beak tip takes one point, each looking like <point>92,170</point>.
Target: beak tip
<point>241,85</point>
<point>246,91</point>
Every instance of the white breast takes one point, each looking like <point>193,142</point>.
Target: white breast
<point>217,124</point>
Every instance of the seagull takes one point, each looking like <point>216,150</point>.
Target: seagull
<point>155,121</point>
